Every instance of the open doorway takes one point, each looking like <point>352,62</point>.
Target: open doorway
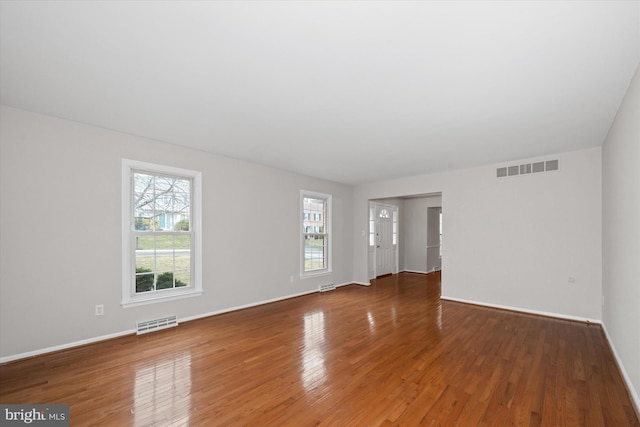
<point>434,239</point>
<point>383,239</point>
<point>417,235</point>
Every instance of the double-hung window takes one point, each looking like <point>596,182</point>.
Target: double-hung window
<point>316,233</point>
<point>161,233</point>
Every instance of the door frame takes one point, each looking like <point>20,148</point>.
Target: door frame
<point>372,252</point>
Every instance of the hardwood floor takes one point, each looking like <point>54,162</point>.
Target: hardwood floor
<point>388,354</point>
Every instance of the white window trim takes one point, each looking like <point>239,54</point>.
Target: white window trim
<point>328,232</point>
<point>129,297</point>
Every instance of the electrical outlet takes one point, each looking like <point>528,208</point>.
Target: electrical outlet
<point>99,309</point>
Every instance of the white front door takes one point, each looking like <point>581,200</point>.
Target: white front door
<point>385,247</point>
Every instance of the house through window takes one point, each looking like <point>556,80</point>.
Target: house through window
<point>161,234</point>
<point>316,208</point>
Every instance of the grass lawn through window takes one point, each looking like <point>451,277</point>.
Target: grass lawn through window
<point>164,259</point>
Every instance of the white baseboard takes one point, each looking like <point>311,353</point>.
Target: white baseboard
<point>525,310</point>
<point>633,393</point>
<point>346,284</point>
<point>420,271</point>
<point>415,271</point>
<point>254,304</point>
<point>361,283</point>
<point>242,307</point>
<point>41,351</point>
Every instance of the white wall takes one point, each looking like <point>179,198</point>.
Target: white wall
<point>414,238</point>
<point>433,239</point>
<point>60,221</point>
<point>621,236</point>
<point>513,241</point>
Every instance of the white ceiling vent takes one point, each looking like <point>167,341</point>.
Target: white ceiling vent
<point>527,168</point>
<point>156,324</point>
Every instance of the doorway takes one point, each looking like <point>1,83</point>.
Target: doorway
<point>434,239</point>
<point>416,235</point>
<point>383,239</point>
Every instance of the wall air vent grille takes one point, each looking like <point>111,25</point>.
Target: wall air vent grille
<point>551,165</point>
<point>156,324</point>
<point>327,287</point>
<point>538,167</point>
<point>527,168</point>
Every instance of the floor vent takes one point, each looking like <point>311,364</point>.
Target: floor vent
<point>156,324</point>
<point>327,287</point>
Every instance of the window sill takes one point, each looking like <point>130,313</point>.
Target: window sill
<point>315,274</point>
<point>156,298</point>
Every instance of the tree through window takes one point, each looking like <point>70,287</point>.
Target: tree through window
<point>161,237</point>
<point>315,233</point>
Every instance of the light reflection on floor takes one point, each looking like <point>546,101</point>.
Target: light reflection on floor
<point>314,371</point>
<point>162,392</point>
<point>372,322</point>
<point>394,316</point>
<point>438,317</point>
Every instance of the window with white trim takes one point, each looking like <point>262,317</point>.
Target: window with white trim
<point>161,235</point>
<point>316,231</point>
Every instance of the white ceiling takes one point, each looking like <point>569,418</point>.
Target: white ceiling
<point>347,91</point>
